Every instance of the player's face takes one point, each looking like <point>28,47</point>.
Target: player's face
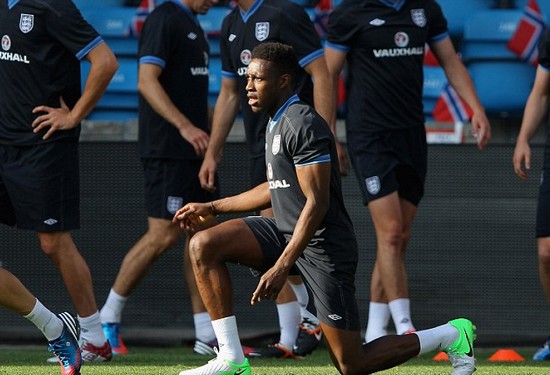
<point>262,86</point>
<point>200,6</point>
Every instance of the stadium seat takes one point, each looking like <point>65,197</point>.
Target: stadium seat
<point>95,3</point>
<point>502,80</point>
<point>113,24</point>
<point>215,79</point>
<point>456,13</point>
<point>211,24</point>
<point>486,34</point>
<point>503,86</point>
<point>434,82</point>
<point>120,101</point>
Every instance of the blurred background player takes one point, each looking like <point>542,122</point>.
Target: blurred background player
<point>40,115</point>
<point>536,113</point>
<point>383,44</point>
<point>252,22</point>
<point>174,122</point>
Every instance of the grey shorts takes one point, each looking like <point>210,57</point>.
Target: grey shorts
<point>331,280</point>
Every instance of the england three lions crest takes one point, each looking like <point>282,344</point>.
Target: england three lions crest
<point>418,17</point>
<point>26,22</point>
<point>262,31</point>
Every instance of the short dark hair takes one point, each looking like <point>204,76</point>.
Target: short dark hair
<point>281,55</point>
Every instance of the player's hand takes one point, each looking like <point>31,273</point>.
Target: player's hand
<point>522,159</point>
<point>53,118</point>
<point>481,129</point>
<point>207,174</point>
<point>270,285</point>
<point>343,159</point>
<point>194,217</point>
<point>197,137</point>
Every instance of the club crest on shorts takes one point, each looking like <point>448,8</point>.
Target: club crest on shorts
<point>373,185</point>
<point>262,31</point>
<point>276,145</point>
<point>418,17</point>
<point>173,204</point>
<point>26,22</point>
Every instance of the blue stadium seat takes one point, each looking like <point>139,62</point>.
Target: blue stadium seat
<point>502,80</point>
<point>215,79</point>
<point>113,24</point>
<point>486,34</point>
<point>503,86</point>
<point>434,82</point>
<point>95,3</point>
<point>211,24</point>
<point>120,101</point>
<point>456,12</point>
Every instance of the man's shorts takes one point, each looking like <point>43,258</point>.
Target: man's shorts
<point>330,279</point>
<point>389,161</point>
<point>543,206</point>
<point>40,186</point>
<point>172,183</point>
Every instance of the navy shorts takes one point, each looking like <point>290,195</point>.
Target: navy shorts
<point>172,183</point>
<point>543,206</point>
<point>40,186</point>
<point>331,280</point>
<point>389,161</point>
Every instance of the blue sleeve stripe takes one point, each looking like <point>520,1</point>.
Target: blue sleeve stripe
<point>312,56</point>
<point>545,68</point>
<point>227,74</point>
<point>152,60</point>
<point>338,47</point>
<point>93,44</point>
<point>320,159</point>
<point>440,37</point>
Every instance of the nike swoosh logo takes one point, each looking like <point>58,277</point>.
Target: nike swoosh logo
<point>240,371</point>
<point>318,335</point>
<point>470,353</point>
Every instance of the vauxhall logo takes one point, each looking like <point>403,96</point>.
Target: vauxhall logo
<point>11,56</point>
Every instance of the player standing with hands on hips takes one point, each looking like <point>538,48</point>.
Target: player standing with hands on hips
<point>41,107</point>
<point>310,231</point>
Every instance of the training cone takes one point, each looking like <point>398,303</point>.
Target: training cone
<point>441,356</point>
<point>506,355</point>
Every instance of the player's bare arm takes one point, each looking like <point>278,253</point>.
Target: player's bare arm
<point>103,67</point>
<point>225,112</point>
<point>461,81</point>
<point>315,184</point>
<point>150,87</point>
<point>535,112</point>
<point>325,95</point>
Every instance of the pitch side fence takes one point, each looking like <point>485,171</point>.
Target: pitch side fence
<point>472,252</point>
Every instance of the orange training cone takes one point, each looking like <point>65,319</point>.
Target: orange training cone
<point>506,355</point>
<point>441,356</point>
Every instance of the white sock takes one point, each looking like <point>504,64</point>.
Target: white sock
<point>46,321</point>
<point>302,296</point>
<point>228,339</point>
<point>401,313</point>
<point>90,329</point>
<point>437,338</point>
<point>203,327</point>
<point>111,312</point>
<point>289,321</point>
<point>377,325</point>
